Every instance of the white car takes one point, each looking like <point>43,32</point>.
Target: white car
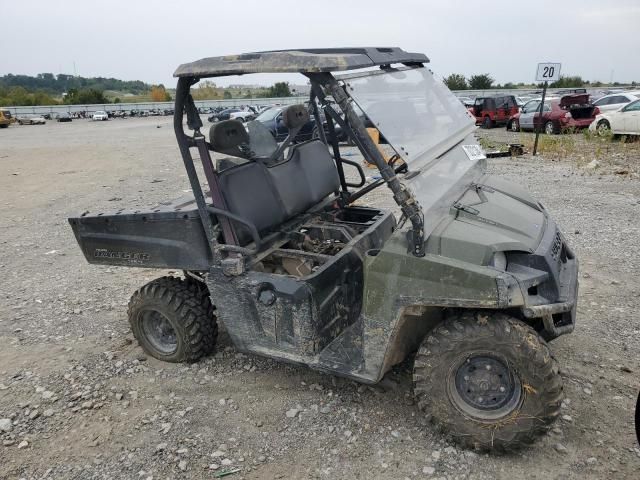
<point>243,115</point>
<point>32,120</point>
<point>624,121</point>
<point>614,101</point>
<point>100,115</point>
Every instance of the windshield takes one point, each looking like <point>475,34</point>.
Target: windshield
<point>417,114</point>
<point>268,115</point>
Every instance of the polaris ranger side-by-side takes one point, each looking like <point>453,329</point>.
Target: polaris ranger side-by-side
<point>473,278</point>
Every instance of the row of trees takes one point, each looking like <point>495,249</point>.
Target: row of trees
<point>457,81</point>
<point>20,96</point>
<point>208,90</point>
<point>58,84</point>
<point>484,81</point>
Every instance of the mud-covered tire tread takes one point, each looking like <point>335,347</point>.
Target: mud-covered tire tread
<point>191,307</point>
<point>541,369</point>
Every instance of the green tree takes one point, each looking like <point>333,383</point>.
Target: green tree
<point>227,95</point>
<point>567,82</point>
<point>482,81</point>
<point>456,81</point>
<point>279,89</point>
<point>207,90</point>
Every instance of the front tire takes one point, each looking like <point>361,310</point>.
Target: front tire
<point>487,123</point>
<point>488,380</point>
<point>173,320</point>
<point>514,126</point>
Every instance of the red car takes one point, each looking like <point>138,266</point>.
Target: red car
<point>492,111</point>
<point>571,112</point>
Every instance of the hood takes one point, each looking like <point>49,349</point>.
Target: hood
<point>492,215</point>
<point>575,99</point>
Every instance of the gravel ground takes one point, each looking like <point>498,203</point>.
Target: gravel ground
<point>78,399</point>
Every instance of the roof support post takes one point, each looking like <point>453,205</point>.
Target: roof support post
<point>403,197</point>
<point>184,143</point>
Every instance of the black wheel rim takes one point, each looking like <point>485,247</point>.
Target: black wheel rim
<point>158,332</point>
<point>483,386</point>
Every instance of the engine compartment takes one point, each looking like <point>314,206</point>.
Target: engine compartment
<point>307,248</point>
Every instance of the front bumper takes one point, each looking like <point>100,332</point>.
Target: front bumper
<point>548,280</point>
<point>558,318</point>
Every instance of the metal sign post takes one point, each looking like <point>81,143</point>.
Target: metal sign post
<point>547,72</point>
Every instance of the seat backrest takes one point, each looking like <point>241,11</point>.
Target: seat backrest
<point>228,136</point>
<point>248,193</point>
<point>308,176</point>
<point>268,196</point>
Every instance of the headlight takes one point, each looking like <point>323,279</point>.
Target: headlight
<point>499,261</point>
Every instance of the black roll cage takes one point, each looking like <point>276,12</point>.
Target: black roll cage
<point>322,84</point>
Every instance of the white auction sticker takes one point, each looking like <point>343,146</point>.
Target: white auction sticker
<point>474,152</point>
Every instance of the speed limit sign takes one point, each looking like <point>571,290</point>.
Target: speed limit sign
<point>548,72</point>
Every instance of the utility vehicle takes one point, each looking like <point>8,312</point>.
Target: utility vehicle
<point>281,247</point>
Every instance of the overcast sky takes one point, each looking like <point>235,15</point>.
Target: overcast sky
<point>147,40</point>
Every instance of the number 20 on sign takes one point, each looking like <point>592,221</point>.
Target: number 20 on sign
<point>548,72</point>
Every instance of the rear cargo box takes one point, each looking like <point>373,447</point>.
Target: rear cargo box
<point>169,236</point>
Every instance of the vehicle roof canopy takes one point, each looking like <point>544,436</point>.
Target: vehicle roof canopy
<point>314,60</point>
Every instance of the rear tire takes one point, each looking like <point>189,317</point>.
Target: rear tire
<point>603,127</point>
<point>173,320</point>
<point>488,380</point>
<point>487,123</point>
<point>514,126</point>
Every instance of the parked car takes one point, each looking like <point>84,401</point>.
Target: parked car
<point>100,115</point>
<point>493,111</point>
<point>260,108</point>
<point>624,121</point>
<point>521,100</point>
<point>466,101</point>
<point>64,117</point>
<point>272,119</point>
<point>243,115</point>
<point>223,114</point>
<point>615,101</point>
<point>6,118</point>
<point>569,91</point>
<point>558,115</point>
<point>32,120</point>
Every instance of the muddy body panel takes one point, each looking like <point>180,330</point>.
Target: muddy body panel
<point>302,307</point>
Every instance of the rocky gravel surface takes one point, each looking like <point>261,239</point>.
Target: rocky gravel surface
<point>80,400</point>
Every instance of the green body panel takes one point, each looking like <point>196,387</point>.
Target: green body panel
<point>488,220</point>
<point>454,273</point>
